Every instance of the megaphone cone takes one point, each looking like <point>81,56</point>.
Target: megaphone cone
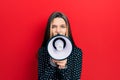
<point>59,47</point>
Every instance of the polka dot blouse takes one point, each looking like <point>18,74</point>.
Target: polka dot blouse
<point>48,72</point>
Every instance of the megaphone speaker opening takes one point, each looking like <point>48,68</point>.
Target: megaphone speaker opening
<point>59,44</point>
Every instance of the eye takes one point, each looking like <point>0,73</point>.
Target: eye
<point>54,26</point>
<point>63,26</point>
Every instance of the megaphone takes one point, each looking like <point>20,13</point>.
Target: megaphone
<point>59,47</point>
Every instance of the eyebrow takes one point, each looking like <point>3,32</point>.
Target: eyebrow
<point>63,24</point>
<point>54,25</point>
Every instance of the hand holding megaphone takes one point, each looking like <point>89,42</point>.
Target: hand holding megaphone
<point>60,64</point>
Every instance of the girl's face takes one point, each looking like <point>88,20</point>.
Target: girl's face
<point>58,26</point>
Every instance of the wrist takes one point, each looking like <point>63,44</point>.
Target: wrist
<point>62,67</point>
<point>52,63</point>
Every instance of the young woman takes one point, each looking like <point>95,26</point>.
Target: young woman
<point>50,69</point>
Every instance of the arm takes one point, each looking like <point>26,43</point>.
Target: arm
<point>45,70</point>
<point>74,65</point>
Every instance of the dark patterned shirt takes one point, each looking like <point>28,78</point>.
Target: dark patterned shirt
<point>48,72</point>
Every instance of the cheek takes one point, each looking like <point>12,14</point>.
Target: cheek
<point>53,30</point>
<point>64,31</point>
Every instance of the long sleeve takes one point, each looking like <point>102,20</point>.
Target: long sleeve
<point>74,66</point>
<point>45,70</point>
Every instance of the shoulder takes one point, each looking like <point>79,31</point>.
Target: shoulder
<point>77,55</point>
<point>77,51</point>
<point>42,51</point>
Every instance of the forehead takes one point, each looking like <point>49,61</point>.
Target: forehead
<point>58,21</point>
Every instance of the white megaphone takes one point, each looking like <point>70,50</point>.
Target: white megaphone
<point>59,47</point>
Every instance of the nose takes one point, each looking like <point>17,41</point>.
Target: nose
<point>58,30</point>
